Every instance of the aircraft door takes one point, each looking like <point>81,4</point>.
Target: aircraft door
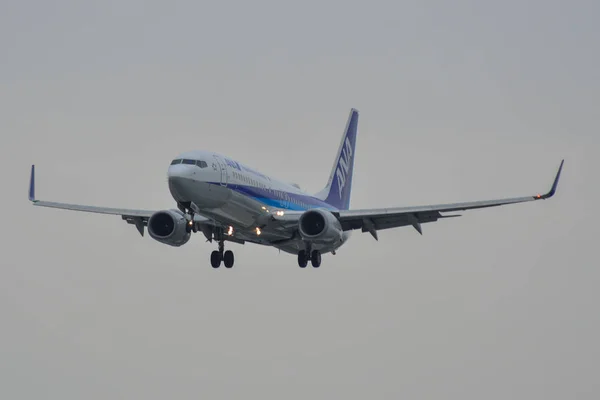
<point>222,169</point>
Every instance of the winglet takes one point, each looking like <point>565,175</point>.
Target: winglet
<point>554,185</point>
<point>32,184</point>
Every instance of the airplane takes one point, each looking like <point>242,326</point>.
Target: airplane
<point>228,201</point>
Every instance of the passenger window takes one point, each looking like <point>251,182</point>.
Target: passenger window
<point>174,162</point>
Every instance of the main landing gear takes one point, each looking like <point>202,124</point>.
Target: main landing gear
<point>220,255</point>
<point>303,258</point>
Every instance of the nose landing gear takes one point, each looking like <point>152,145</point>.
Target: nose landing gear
<point>217,256</point>
<point>228,259</point>
<point>221,255</point>
<point>215,259</point>
<point>186,208</point>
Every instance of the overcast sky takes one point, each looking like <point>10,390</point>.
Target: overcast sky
<point>459,101</point>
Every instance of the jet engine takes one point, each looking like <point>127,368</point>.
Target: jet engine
<point>320,226</point>
<point>168,227</point>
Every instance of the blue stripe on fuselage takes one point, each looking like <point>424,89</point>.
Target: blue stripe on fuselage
<point>278,198</point>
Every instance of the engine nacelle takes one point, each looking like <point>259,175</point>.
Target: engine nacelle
<point>320,226</point>
<point>168,227</point>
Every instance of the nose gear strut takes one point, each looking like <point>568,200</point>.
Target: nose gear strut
<point>217,256</point>
<point>221,255</point>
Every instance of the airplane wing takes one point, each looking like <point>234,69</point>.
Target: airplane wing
<point>139,218</point>
<point>372,220</point>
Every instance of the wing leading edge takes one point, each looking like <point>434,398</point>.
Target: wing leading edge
<point>139,218</point>
<point>372,220</point>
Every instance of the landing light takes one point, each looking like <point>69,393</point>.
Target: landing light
<point>190,222</point>
<point>279,213</point>
<point>258,232</point>
<point>230,231</point>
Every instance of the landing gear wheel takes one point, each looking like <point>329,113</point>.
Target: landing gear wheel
<point>302,260</point>
<point>215,259</point>
<point>228,259</point>
<point>315,258</point>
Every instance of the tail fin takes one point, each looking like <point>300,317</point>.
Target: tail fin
<point>339,185</point>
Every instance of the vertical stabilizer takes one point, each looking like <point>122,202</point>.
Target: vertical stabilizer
<point>339,185</point>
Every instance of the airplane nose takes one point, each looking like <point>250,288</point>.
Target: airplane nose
<point>189,183</point>
<point>180,171</point>
<point>180,176</point>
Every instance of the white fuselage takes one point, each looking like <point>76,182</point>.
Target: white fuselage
<point>236,195</point>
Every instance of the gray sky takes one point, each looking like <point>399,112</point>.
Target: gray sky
<point>464,101</point>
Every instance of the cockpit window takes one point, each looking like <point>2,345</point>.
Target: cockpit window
<point>200,163</point>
